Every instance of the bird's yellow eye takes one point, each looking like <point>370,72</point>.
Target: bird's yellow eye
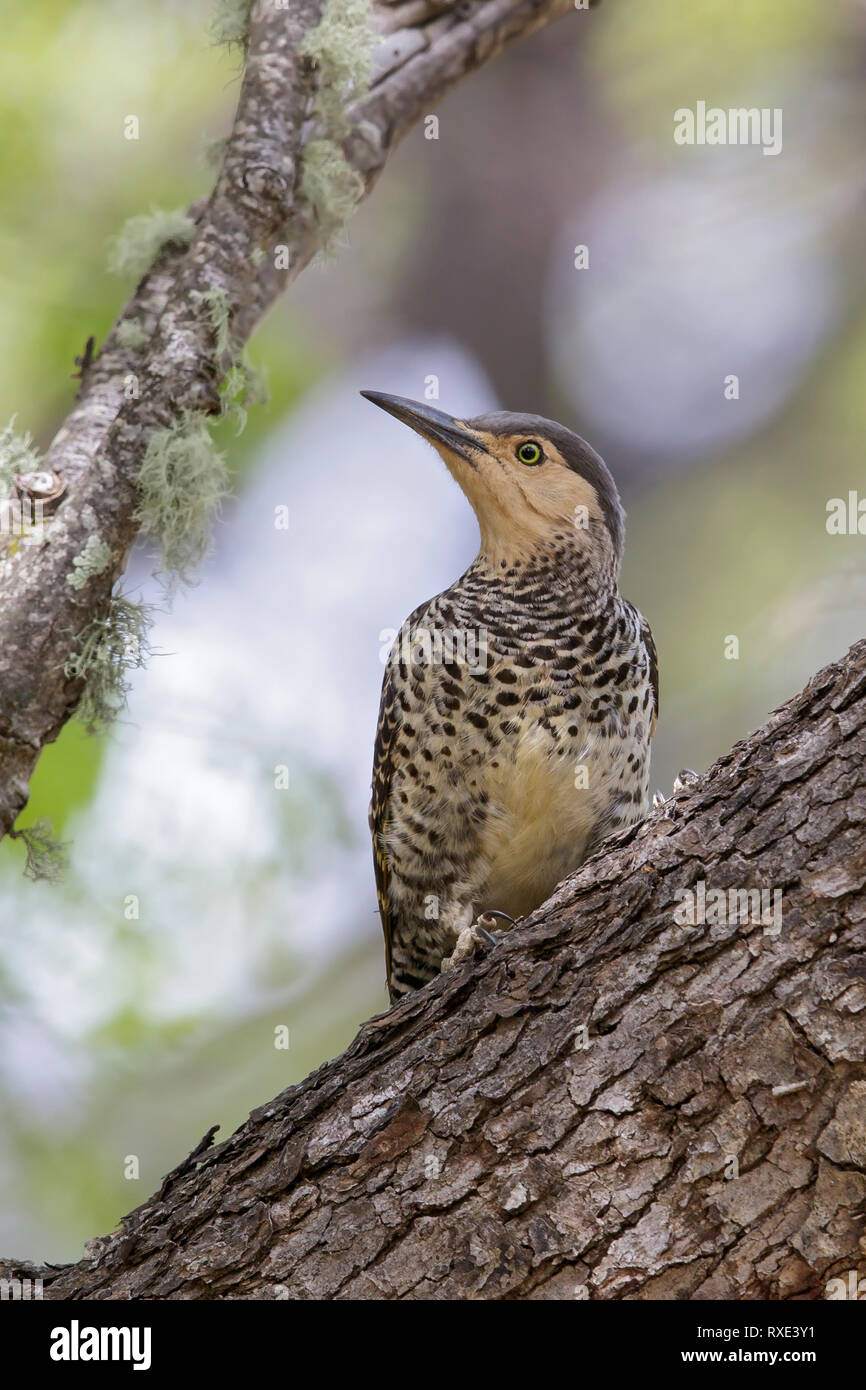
<point>530,452</point>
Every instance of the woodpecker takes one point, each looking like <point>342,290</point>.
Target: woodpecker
<point>518,706</point>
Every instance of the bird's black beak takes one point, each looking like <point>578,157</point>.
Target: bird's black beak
<point>432,424</point>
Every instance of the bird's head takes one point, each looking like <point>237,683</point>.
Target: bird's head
<point>533,484</point>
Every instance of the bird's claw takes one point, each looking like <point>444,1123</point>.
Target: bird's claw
<point>684,779</point>
<point>483,932</point>
<point>659,800</point>
<point>472,937</point>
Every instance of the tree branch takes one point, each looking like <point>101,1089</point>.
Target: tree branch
<point>255,204</point>
<point>610,1104</point>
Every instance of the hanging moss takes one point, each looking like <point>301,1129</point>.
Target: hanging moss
<point>341,47</point>
<point>134,249</point>
<point>110,647</point>
<point>216,301</point>
<point>231,23</point>
<point>45,857</point>
<point>17,455</point>
<point>331,187</point>
<point>243,386</point>
<point>182,483</point>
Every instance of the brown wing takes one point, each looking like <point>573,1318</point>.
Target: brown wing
<point>388,728</point>
<point>386,737</point>
<point>653,655</point>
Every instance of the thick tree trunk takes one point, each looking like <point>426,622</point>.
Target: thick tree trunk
<point>613,1103</point>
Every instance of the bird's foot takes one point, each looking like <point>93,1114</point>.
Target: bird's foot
<point>478,935</point>
<point>684,781</point>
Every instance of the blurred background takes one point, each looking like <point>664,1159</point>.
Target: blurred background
<point>207,904</point>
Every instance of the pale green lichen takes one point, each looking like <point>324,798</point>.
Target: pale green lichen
<point>131,335</point>
<point>94,560</point>
<point>140,239</point>
<point>216,301</point>
<point>182,483</point>
<point>231,22</point>
<point>17,455</point>
<point>341,47</point>
<point>243,386</point>
<point>331,187</point>
<point>110,647</point>
<point>45,857</point>
<point>213,151</point>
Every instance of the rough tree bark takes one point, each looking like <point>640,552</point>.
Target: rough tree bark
<point>428,45</point>
<point>470,1145</point>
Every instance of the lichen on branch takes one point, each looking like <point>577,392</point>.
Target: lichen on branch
<point>17,455</point>
<point>111,646</point>
<point>140,239</point>
<point>331,187</point>
<point>44,857</point>
<point>131,335</point>
<point>341,49</point>
<point>216,302</point>
<point>181,486</point>
<point>243,384</point>
<point>230,24</point>
<point>94,560</point>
